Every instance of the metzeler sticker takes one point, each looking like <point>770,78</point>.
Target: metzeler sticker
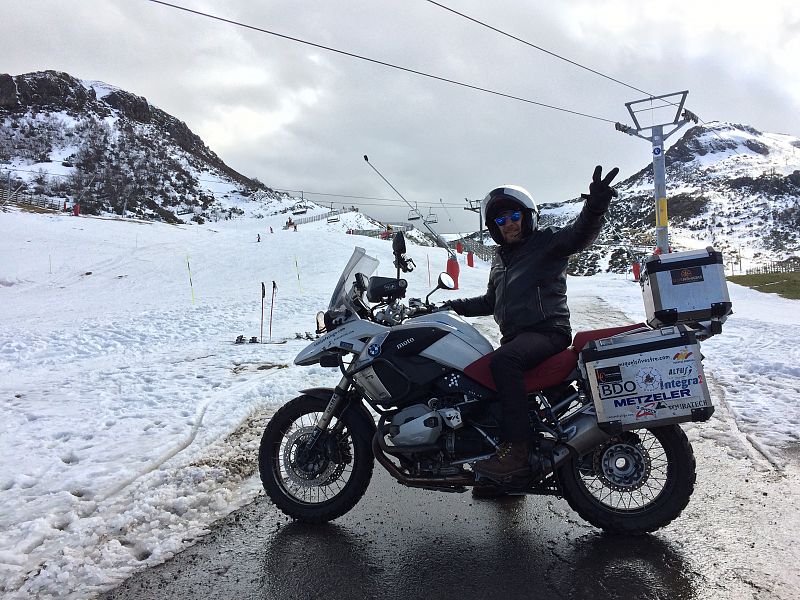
<point>686,275</point>
<point>657,397</point>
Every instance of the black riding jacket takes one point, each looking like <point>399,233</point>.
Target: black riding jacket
<point>527,288</point>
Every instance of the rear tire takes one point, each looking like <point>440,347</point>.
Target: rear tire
<point>324,484</point>
<point>636,482</point>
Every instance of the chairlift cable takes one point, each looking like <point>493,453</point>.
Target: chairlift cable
<point>556,55</point>
<point>532,45</point>
<point>379,62</point>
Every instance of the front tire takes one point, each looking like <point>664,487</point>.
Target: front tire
<point>322,484</point>
<point>636,482</point>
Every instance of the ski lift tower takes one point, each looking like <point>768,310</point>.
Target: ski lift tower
<point>657,138</point>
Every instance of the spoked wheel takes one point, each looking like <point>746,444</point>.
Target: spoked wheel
<point>638,481</point>
<point>313,484</point>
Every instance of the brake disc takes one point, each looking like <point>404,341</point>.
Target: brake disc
<point>316,471</point>
<point>622,463</point>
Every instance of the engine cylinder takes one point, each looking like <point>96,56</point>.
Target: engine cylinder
<point>414,426</point>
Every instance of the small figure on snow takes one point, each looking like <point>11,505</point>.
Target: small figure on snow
<point>259,237</point>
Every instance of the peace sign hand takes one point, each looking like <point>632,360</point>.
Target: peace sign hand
<point>600,190</point>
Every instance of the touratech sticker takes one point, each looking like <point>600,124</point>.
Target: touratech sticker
<point>649,379</point>
<point>686,275</point>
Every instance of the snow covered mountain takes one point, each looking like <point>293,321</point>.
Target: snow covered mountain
<point>729,186</point>
<point>69,139</point>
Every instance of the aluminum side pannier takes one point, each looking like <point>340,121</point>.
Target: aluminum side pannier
<point>647,378</point>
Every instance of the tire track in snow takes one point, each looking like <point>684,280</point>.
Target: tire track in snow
<point>235,389</point>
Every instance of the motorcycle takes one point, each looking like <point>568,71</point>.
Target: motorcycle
<point>423,372</point>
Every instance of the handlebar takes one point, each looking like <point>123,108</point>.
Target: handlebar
<point>417,307</point>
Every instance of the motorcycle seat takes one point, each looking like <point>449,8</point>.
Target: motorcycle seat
<point>552,371</point>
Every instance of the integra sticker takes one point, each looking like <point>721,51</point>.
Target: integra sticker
<point>686,275</point>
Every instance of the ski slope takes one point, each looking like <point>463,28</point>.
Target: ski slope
<point>130,420</point>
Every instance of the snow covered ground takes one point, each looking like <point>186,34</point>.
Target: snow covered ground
<point>129,420</point>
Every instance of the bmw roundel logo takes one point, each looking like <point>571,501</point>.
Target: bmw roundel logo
<point>374,349</point>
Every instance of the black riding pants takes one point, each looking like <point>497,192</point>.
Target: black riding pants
<point>508,365</point>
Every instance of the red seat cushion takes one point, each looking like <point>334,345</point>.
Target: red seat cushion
<point>552,371</point>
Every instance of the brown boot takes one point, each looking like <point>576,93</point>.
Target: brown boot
<point>510,461</point>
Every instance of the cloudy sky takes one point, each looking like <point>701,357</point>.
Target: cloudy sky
<point>299,117</point>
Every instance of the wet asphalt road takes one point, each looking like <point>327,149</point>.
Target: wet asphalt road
<point>407,544</point>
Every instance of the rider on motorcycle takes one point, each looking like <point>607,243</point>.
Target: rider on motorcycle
<point>527,296</point>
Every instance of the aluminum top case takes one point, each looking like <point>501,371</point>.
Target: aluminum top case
<point>646,379</point>
<point>686,287</point>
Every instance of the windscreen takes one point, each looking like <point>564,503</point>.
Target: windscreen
<point>359,262</point>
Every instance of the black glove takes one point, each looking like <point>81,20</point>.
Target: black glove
<point>600,190</point>
<point>447,305</point>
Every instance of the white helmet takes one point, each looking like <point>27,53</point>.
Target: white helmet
<point>510,197</point>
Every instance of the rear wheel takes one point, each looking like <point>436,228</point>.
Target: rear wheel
<point>313,484</point>
<point>638,481</point>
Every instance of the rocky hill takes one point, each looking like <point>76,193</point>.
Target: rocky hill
<point>729,186</point>
<point>71,140</point>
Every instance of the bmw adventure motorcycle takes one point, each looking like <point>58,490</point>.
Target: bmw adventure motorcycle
<point>423,373</point>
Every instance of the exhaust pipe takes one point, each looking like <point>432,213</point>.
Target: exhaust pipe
<point>584,435</point>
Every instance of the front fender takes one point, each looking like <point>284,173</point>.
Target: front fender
<point>363,423</point>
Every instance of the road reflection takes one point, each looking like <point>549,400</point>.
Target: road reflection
<point>502,558</point>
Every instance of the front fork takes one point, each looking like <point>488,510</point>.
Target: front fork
<point>335,403</point>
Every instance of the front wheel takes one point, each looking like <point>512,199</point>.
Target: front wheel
<point>319,483</point>
<point>636,482</point>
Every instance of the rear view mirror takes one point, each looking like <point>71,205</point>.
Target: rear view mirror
<point>446,281</point>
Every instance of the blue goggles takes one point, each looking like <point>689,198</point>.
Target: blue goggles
<point>515,216</point>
